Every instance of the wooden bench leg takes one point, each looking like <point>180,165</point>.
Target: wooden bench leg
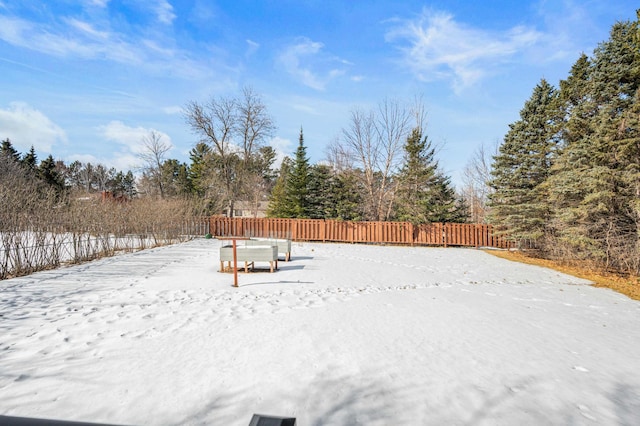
<point>271,266</point>
<point>222,266</point>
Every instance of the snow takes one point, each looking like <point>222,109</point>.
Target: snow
<point>342,334</point>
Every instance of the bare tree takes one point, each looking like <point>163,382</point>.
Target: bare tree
<point>338,157</point>
<point>373,140</point>
<point>254,124</point>
<point>104,176</point>
<point>153,156</point>
<point>475,179</point>
<point>235,129</point>
<point>86,177</point>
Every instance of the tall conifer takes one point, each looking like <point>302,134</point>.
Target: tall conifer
<point>278,206</point>
<point>297,188</point>
<point>424,193</point>
<point>594,186</point>
<point>519,204</point>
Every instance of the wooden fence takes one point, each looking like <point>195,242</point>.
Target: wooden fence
<point>438,234</point>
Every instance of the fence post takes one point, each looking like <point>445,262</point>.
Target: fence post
<point>444,234</point>
<point>294,230</point>
<point>323,230</point>
<point>475,235</point>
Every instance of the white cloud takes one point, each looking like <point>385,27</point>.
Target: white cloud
<point>252,47</point>
<point>164,12</point>
<point>129,138</point>
<point>76,38</point>
<point>27,127</point>
<point>87,28</point>
<point>172,110</point>
<point>283,148</point>
<point>305,61</point>
<point>98,3</point>
<point>436,47</point>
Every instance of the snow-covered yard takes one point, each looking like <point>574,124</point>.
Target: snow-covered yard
<point>342,334</point>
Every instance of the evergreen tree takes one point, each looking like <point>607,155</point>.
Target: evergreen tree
<point>278,206</point>
<point>30,159</point>
<point>175,179</point>
<point>7,150</point>
<point>566,183</point>
<point>264,166</point>
<point>594,186</point>
<point>128,184</point>
<point>297,184</point>
<point>198,169</point>
<point>347,196</point>
<point>424,193</point>
<point>321,200</point>
<point>519,205</point>
<point>124,184</point>
<point>48,173</point>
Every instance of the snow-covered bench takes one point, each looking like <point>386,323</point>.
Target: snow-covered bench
<point>284,246</point>
<point>249,254</point>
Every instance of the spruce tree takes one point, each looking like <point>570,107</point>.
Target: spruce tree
<point>297,186</point>
<point>7,150</point>
<point>594,186</point>
<point>198,171</point>
<point>519,205</point>
<point>48,173</point>
<point>321,202</point>
<point>278,206</point>
<point>347,194</point>
<point>567,183</point>
<point>30,159</point>
<point>424,193</point>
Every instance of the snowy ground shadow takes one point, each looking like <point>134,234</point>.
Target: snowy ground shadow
<point>523,400</point>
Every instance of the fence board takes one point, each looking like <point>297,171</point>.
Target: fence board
<point>438,234</point>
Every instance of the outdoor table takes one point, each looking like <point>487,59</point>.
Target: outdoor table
<point>235,255</point>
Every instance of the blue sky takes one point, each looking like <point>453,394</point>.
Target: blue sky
<point>88,79</point>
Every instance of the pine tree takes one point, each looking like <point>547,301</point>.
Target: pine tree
<point>297,185</point>
<point>198,168</point>
<point>321,202</point>
<point>349,204</point>
<point>7,150</point>
<point>424,193</point>
<point>519,205</point>
<point>594,186</point>
<point>30,159</point>
<point>48,173</point>
<point>129,184</point>
<point>124,184</point>
<point>175,178</point>
<point>566,184</point>
<point>278,206</point>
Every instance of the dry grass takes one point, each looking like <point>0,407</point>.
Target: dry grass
<point>629,286</point>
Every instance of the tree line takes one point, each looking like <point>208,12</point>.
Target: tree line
<point>381,166</point>
<point>416,190</point>
<point>61,178</point>
<point>365,176</point>
<point>566,178</point>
